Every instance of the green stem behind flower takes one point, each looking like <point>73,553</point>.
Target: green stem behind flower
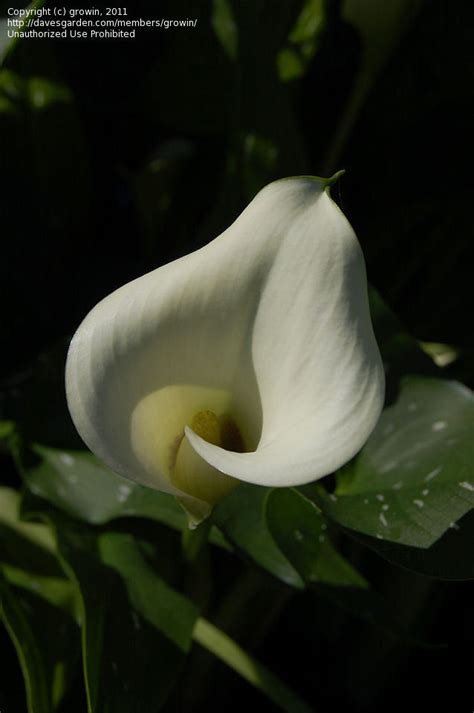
<point>195,540</point>
<point>197,580</point>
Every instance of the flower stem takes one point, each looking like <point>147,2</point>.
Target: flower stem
<point>194,541</point>
<point>228,651</point>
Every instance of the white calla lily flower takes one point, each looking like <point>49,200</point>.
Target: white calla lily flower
<point>252,359</point>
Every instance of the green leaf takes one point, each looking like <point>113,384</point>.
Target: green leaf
<point>301,533</point>
<point>136,629</point>
<point>7,45</point>
<point>241,518</point>
<point>46,639</point>
<point>58,591</point>
<point>414,478</point>
<point>29,556</point>
<point>7,429</point>
<point>168,611</point>
<point>225,28</point>
<point>78,483</point>
<point>303,41</point>
<point>450,557</point>
<point>25,545</point>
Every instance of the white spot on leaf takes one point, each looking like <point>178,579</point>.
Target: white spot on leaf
<point>434,473</point>
<point>391,465</point>
<point>66,459</point>
<point>123,493</point>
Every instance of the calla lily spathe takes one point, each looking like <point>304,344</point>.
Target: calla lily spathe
<point>252,359</point>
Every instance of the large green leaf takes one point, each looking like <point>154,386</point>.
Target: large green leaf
<point>46,639</point>
<point>78,483</point>
<point>415,477</point>
<point>300,531</point>
<point>136,629</point>
<point>241,518</point>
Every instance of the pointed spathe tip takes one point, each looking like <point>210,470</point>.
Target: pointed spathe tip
<point>331,181</point>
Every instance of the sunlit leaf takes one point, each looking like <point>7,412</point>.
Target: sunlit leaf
<point>78,483</point>
<point>414,478</point>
